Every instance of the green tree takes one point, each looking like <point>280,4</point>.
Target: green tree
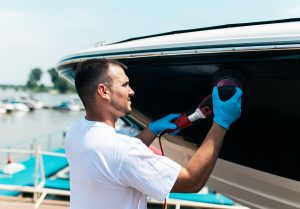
<point>34,77</point>
<point>59,83</point>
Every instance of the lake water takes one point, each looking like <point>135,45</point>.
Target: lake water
<point>19,128</point>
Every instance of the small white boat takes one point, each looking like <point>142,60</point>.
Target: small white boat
<point>68,105</point>
<point>7,107</point>
<point>31,102</point>
<point>16,104</point>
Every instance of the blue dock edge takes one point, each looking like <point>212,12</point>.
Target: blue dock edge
<point>52,164</point>
<point>213,198</point>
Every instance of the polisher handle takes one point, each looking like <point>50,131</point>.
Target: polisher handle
<point>206,106</point>
<point>186,119</point>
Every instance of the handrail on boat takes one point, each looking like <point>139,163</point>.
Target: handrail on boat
<point>48,142</point>
<point>38,190</point>
<point>22,151</point>
<point>35,190</point>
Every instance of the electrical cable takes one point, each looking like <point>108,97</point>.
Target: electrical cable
<point>162,152</point>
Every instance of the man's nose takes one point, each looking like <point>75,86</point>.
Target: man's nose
<point>131,92</point>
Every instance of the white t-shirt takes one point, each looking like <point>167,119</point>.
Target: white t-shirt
<point>114,171</point>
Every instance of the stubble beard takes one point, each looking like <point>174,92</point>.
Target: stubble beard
<point>119,107</point>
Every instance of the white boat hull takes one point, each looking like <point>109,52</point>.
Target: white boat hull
<point>254,188</point>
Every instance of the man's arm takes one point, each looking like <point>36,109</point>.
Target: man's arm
<point>193,177</point>
<point>146,136</point>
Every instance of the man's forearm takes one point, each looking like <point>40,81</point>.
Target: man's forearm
<point>202,163</point>
<point>193,177</point>
<point>146,136</point>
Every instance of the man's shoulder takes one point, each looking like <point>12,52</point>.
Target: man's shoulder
<point>128,144</point>
<point>129,139</point>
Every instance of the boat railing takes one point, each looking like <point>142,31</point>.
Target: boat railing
<point>47,142</point>
<point>38,189</point>
<point>35,148</point>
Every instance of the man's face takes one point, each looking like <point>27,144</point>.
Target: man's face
<point>121,92</point>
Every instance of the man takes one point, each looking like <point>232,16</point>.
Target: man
<point>110,170</point>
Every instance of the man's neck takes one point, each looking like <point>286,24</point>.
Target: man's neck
<point>101,118</point>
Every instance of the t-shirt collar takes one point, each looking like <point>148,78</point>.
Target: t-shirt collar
<point>95,123</point>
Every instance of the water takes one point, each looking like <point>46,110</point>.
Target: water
<point>19,128</point>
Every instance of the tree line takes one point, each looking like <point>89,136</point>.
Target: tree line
<point>59,84</point>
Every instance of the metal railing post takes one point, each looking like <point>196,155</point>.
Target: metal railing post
<point>36,172</point>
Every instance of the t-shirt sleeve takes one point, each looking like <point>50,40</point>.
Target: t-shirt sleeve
<point>148,173</point>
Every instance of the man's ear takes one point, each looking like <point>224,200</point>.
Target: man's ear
<point>103,91</point>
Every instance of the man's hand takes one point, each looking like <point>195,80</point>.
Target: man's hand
<point>163,124</point>
<point>226,112</point>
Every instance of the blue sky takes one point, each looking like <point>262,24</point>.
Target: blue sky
<point>36,33</point>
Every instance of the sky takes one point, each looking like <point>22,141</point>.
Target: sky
<point>35,33</point>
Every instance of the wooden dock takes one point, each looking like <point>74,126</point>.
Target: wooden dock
<point>27,203</point>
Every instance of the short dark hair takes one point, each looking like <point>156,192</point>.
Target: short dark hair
<point>89,74</point>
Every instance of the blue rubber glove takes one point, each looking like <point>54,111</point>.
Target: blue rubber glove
<point>163,124</point>
<point>226,112</point>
